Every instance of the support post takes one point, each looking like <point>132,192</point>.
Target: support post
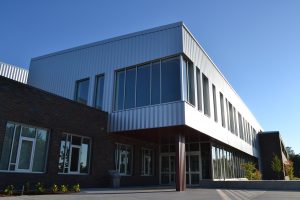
<point>180,162</point>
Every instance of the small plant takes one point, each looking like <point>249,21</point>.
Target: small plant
<point>27,187</point>
<point>276,165</point>
<point>40,187</point>
<point>76,187</point>
<point>64,188</point>
<point>251,173</point>
<point>289,169</point>
<point>54,188</point>
<point>9,190</point>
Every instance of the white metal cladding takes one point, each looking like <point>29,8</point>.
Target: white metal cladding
<point>13,72</point>
<point>196,119</point>
<point>58,72</point>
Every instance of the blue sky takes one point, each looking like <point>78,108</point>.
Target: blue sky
<point>256,44</point>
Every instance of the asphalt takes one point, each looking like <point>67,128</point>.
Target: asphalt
<point>165,194</point>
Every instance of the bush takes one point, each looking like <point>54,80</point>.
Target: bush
<point>276,165</point>
<point>64,188</point>
<point>39,187</point>
<point>76,187</point>
<point>27,187</point>
<point>289,169</point>
<point>54,188</point>
<point>251,172</point>
<point>9,190</point>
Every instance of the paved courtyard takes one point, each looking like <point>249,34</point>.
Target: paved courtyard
<point>167,193</point>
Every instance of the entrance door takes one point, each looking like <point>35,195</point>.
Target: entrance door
<point>193,168</point>
<point>25,154</point>
<point>167,169</point>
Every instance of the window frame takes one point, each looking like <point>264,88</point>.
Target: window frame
<point>76,90</point>
<point>102,75</point>
<point>117,160</point>
<point>69,172</point>
<point>143,162</point>
<point>32,150</point>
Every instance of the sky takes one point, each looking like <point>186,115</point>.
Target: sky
<point>255,44</point>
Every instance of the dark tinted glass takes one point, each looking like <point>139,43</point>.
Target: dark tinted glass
<point>143,86</point>
<point>99,91</point>
<point>206,100</point>
<point>130,88</point>
<point>155,83</point>
<point>82,90</point>
<point>170,80</point>
<point>119,96</point>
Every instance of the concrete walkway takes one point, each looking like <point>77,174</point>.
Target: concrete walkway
<point>165,194</point>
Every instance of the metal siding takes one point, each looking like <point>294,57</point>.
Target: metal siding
<point>58,72</point>
<point>13,72</point>
<point>197,119</point>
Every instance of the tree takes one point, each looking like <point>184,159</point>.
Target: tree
<point>276,165</point>
<point>289,169</point>
<point>251,172</point>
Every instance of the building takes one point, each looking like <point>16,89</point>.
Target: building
<point>37,135</point>
<point>173,118</point>
<point>275,147</point>
<point>13,72</point>
<point>158,86</point>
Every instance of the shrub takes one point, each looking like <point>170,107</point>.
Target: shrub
<point>64,188</point>
<point>251,172</point>
<point>39,187</point>
<point>54,188</point>
<point>289,169</point>
<point>9,190</point>
<point>276,165</point>
<point>27,187</point>
<point>76,187</point>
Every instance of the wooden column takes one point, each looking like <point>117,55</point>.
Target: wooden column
<point>180,162</point>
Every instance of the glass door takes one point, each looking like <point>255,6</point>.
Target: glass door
<point>193,168</point>
<point>167,169</point>
<point>25,154</point>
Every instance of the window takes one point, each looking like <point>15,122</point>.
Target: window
<point>222,109</point>
<point>123,159</point>
<point>143,86</point>
<point>206,99</point>
<point>82,91</point>
<point>199,93</point>
<point>190,81</point>
<point>147,162</point>
<point>170,80</point>
<point>74,155</point>
<point>215,103</point>
<point>241,126</point>
<point>120,90</point>
<point>99,88</point>
<point>152,83</point>
<point>155,83</point>
<point>235,121</point>
<point>24,148</point>
<point>130,88</point>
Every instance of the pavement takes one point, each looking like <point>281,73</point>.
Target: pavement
<point>164,194</point>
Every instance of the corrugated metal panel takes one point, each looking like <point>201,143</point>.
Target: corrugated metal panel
<point>169,114</point>
<point>197,119</point>
<point>13,72</point>
<point>58,72</point>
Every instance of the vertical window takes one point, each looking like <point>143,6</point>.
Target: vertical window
<point>206,99</point>
<point>231,117</point>
<point>74,154</point>
<point>170,80</point>
<point>155,83</point>
<point>215,103</point>
<point>99,88</point>
<point>143,86</point>
<point>222,109</point>
<point>147,162</point>
<point>228,115</point>
<point>190,86</point>
<point>24,148</point>
<point>199,93</point>
<point>82,91</point>
<point>241,126</point>
<point>234,119</point>
<point>120,90</point>
<point>123,159</point>
<point>130,88</point>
